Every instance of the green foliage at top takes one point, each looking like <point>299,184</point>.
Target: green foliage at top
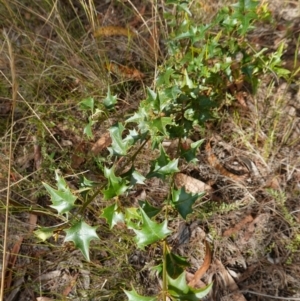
<point>204,61</point>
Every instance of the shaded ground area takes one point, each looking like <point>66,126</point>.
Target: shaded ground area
<point>249,160</point>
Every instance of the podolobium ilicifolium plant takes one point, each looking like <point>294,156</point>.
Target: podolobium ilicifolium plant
<point>204,60</point>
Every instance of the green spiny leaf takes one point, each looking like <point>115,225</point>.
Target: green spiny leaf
<point>190,154</point>
<point>134,296</point>
<point>88,128</point>
<point>60,182</point>
<point>87,104</point>
<point>63,200</point>
<point>116,185</point>
<point>149,209</point>
<point>109,101</point>
<point>81,234</point>
<point>184,201</point>
<point>175,264</point>
<point>44,233</point>
<point>132,218</point>
<point>159,125</point>
<point>119,146</point>
<point>112,215</point>
<point>179,290</point>
<point>150,231</point>
<point>163,166</point>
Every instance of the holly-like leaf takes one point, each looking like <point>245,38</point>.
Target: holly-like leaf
<point>62,199</point>
<point>150,231</point>
<point>190,153</point>
<point>88,128</point>
<point>116,185</point>
<point>134,177</point>
<point>179,290</point>
<point>163,166</point>
<point>86,183</point>
<point>132,218</point>
<point>109,101</point>
<point>81,234</point>
<point>149,209</point>
<point>119,146</point>
<point>159,125</point>
<point>134,296</point>
<point>44,233</point>
<point>184,201</point>
<point>112,215</point>
<point>175,264</point>
<point>60,182</point>
<point>87,104</point>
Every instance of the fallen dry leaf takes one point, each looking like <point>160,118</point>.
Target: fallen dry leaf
<point>228,282</point>
<point>215,163</point>
<point>256,225</point>
<point>138,19</point>
<point>124,71</point>
<point>107,31</point>
<point>79,155</point>
<point>273,183</point>
<point>189,277</point>
<point>204,267</point>
<point>72,283</point>
<point>44,299</point>
<point>238,226</point>
<point>240,96</point>
<point>103,142</point>
<point>11,261</point>
<point>190,184</point>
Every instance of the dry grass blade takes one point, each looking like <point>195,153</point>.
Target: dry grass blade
<point>108,31</point>
<point>14,88</point>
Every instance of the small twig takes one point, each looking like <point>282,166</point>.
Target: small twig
<point>269,296</point>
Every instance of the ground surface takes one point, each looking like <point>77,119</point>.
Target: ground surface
<point>250,160</point>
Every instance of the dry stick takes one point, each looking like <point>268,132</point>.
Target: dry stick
<point>14,99</point>
<point>268,296</point>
